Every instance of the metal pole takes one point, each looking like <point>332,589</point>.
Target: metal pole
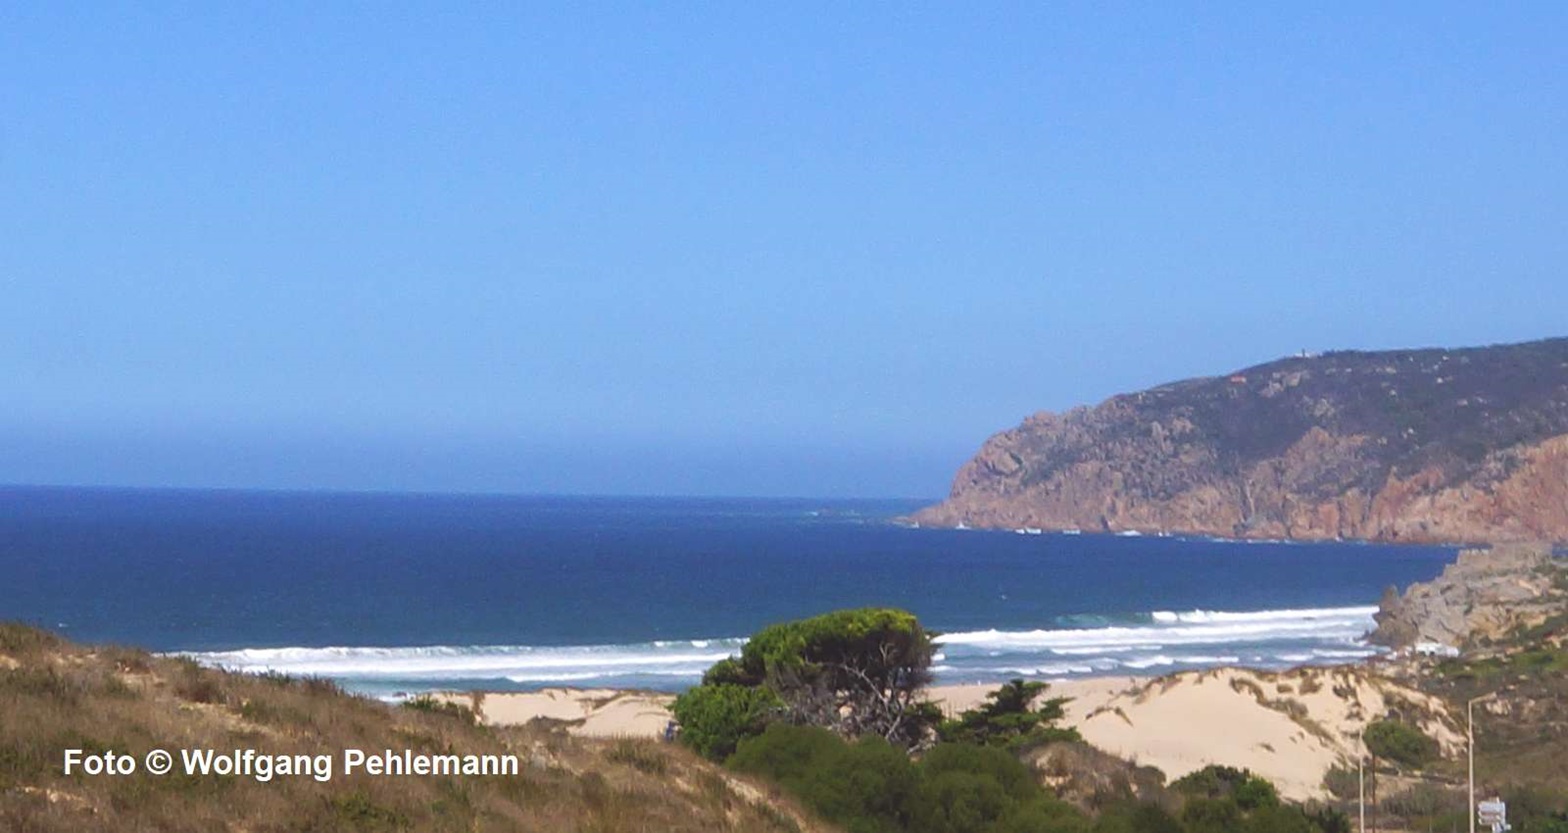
<point>1470,742</point>
<point>1361,782</point>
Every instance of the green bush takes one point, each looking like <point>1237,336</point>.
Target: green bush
<point>1278,819</point>
<point>1016,779</point>
<point>1137,818</point>
<point>1211,815</point>
<point>1401,743</point>
<point>857,672</point>
<point>1255,794</point>
<point>1328,819</point>
<point>1239,785</point>
<point>956,800</point>
<point>715,718</point>
<point>430,704</point>
<point>871,786</point>
<point>868,786</point>
<point>1043,815</point>
<point>1010,719</point>
<point>787,754</point>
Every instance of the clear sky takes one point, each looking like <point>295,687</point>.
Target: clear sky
<point>681,248</point>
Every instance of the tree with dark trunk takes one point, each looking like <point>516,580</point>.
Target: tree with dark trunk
<point>856,672</point>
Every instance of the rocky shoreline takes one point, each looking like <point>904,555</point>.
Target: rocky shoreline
<point>1485,596</point>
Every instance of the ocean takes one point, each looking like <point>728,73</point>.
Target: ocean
<point>391,594</point>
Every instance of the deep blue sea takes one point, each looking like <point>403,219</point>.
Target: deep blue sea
<point>399,593</point>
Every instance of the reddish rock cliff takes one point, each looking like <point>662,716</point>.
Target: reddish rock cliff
<point>1425,445</point>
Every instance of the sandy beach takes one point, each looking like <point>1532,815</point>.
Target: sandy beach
<point>1289,727</point>
<point>597,712</point>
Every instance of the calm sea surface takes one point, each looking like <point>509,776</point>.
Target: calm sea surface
<point>396,593</point>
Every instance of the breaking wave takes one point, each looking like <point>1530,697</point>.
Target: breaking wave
<point>516,663</point>
<point>1152,643</point>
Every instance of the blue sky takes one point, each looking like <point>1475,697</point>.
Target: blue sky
<point>722,249</point>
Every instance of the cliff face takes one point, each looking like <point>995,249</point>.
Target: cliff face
<point>1419,445</point>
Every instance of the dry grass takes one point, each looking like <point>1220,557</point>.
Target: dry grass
<point>54,696</point>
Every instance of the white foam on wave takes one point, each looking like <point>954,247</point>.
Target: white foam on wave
<point>1348,653</point>
<point>1223,616</point>
<point>1097,650</point>
<point>519,663</point>
<point>1163,660</point>
<point>683,672</point>
<point>1342,625</point>
<point>1269,638</point>
<point>1055,670</point>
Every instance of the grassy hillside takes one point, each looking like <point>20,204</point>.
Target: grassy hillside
<point>54,696</point>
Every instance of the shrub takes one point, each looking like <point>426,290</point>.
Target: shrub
<point>429,704</point>
<point>865,786</point>
<point>1042,815</point>
<point>1010,719</point>
<point>1328,819</point>
<point>1137,818</point>
<point>1213,781</point>
<point>1239,785</point>
<point>786,753</point>
<point>1342,783</point>
<point>1277,819</point>
<point>1401,743</point>
<point>1255,794</point>
<point>871,786</point>
<point>858,672</point>
<point>957,800</point>
<point>1015,779</point>
<point>1211,815</point>
<point>715,718</point>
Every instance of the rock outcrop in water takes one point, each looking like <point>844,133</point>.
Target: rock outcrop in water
<point>1432,445</point>
<point>1484,596</point>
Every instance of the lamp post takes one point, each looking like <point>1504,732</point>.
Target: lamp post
<point>1470,742</point>
<point>1361,779</point>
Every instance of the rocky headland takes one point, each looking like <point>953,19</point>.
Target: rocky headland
<point>1485,597</point>
<point>1432,445</point>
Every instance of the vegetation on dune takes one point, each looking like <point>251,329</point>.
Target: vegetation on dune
<point>857,672</point>
<point>1519,680</point>
<point>1010,719</point>
<point>870,786</point>
<point>829,708</point>
<point>716,717</point>
<point>54,696</point>
<point>1215,782</point>
<point>1400,743</point>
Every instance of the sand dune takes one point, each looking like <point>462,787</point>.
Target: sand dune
<point>600,712</point>
<point>1289,727</point>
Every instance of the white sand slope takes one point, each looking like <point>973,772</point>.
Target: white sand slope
<point>586,712</point>
<point>1289,727</point>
